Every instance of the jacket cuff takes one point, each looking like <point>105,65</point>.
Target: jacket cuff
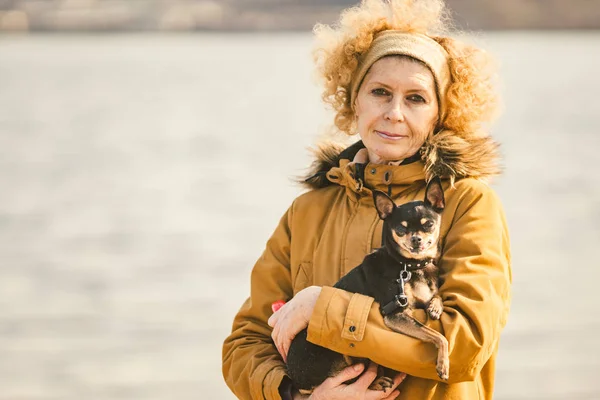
<point>286,389</point>
<point>357,308</point>
<point>265,381</point>
<point>272,383</point>
<point>355,321</point>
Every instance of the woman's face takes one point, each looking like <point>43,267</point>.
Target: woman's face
<point>396,108</point>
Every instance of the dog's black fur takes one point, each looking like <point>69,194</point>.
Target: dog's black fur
<point>407,230</point>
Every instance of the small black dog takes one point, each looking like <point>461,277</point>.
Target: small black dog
<point>400,276</point>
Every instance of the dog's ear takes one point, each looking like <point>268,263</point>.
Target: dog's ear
<point>434,194</point>
<point>383,203</point>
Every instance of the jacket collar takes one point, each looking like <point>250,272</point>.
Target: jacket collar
<point>446,154</point>
<point>362,178</point>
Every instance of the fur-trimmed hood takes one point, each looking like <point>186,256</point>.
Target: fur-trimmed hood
<point>446,154</point>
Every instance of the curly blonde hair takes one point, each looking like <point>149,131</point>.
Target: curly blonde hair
<point>471,98</point>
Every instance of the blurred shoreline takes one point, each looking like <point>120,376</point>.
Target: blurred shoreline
<point>272,15</point>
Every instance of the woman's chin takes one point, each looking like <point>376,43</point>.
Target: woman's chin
<point>385,156</point>
<point>382,151</point>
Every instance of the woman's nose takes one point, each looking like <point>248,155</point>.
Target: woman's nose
<point>394,112</point>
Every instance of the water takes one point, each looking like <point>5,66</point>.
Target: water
<point>141,176</point>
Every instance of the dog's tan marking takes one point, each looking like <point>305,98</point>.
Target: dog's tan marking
<point>429,237</point>
<point>397,238</point>
<point>421,292</point>
<point>423,220</point>
<point>404,224</point>
<point>436,307</point>
<point>404,243</point>
<point>431,252</point>
<point>411,299</point>
<point>348,360</point>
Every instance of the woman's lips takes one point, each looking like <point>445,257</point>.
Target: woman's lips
<point>390,136</point>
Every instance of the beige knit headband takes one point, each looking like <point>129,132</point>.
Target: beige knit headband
<point>414,45</point>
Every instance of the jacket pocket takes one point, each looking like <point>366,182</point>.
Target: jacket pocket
<point>303,277</point>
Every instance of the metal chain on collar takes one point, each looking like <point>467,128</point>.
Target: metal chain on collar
<point>400,300</point>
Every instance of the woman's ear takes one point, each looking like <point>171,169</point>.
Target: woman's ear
<point>354,106</point>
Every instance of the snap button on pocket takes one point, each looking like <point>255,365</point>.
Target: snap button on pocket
<point>352,328</point>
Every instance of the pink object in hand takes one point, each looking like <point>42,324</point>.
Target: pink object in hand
<point>277,305</point>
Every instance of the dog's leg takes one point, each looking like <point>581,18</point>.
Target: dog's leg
<point>411,327</point>
<point>384,381</point>
<point>435,307</point>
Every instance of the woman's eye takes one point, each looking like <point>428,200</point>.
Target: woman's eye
<point>415,98</point>
<point>380,92</point>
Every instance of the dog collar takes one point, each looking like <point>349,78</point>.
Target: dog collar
<point>414,265</point>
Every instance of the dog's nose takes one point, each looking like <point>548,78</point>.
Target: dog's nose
<point>416,241</point>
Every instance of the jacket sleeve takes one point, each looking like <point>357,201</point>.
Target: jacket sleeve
<point>475,266</point>
<point>252,366</point>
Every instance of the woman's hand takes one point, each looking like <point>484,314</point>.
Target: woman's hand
<point>334,388</point>
<point>292,318</point>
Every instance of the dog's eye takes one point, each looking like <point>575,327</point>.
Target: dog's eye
<point>400,232</point>
<point>428,225</point>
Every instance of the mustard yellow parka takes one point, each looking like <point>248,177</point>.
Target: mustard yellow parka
<point>327,231</point>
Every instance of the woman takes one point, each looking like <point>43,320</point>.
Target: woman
<point>419,103</point>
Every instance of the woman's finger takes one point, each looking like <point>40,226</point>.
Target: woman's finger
<point>392,395</point>
<point>280,349</point>
<point>275,343</point>
<point>368,377</point>
<point>277,346</point>
<point>272,321</point>
<point>278,315</point>
<point>282,344</point>
<point>278,337</point>
<point>275,331</point>
<point>287,341</point>
<point>286,324</point>
<point>275,335</point>
<point>346,374</point>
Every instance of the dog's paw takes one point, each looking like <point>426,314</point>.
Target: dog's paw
<point>382,383</point>
<point>435,308</point>
<point>443,368</point>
